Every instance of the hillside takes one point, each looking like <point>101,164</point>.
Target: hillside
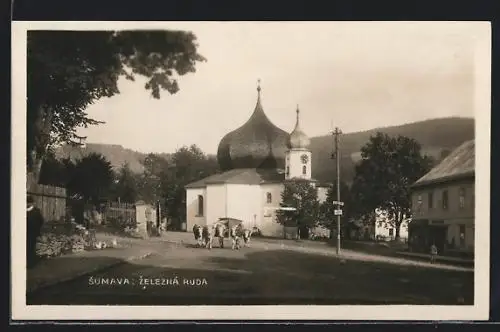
<point>116,154</point>
<point>436,137</point>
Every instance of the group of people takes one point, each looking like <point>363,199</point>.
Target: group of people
<point>204,235</point>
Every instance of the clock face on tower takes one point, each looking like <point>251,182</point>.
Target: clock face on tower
<point>304,158</point>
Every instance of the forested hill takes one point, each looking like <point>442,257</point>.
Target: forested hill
<point>437,136</point>
<point>116,154</point>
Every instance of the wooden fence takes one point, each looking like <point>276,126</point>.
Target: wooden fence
<point>50,200</point>
<point>114,211</point>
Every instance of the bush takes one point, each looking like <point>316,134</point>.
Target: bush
<point>53,245</point>
<point>120,223</point>
<point>60,239</point>
<point>132,232</point>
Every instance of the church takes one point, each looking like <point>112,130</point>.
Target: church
<point>256,160</point>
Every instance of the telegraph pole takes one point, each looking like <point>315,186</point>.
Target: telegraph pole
<point>338,203</point>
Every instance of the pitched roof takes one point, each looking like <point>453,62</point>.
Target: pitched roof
<point>241,176</point>
<point>460,163</point>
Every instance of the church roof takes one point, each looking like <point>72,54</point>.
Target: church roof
<point>250,176</point>
<point>258,143</point>
<point>460,163</point>
<point>298,139</point>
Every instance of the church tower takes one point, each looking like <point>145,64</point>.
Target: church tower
<point>298,156</point>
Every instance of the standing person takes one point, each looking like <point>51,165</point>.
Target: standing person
<point>33,228</point>
<point>434,252</point>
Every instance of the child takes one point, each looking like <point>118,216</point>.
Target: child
<point>434,252</point>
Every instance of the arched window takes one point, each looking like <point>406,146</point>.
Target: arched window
<point>200,205</point>
<point>269,198</point>
<point>304,170</point>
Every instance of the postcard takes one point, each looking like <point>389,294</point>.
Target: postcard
<point>250,170</point>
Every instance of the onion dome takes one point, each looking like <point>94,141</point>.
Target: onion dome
<point>256,144</point>
<point>298,139</point>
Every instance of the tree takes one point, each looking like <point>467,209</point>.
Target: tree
<point>53,172</point>
<point>125,186</point>
<point>69,70</point>
<point>149,182</point>
<point>302,196</point>
<point>92,177</point>
<point>188,164</point>
<point>389,166</point>
<point>328,218</point>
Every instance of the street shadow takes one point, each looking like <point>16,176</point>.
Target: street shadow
<point>388,250</point>
<point>256,277</point>
<point>191,245</point>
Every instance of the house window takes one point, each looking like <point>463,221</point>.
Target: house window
<point>445,199</point>
<point>304,170</point>
<point>269,198</point>
<point>461,197</point>
<point>391,232</point>
<point>462,236</point>
<point>431,200</point>
<point>200,205</point>
<point>288,170</point>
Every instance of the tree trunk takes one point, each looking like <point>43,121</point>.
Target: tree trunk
<point>397,231</point>
<point>39,130</point>
<point>397,223</point>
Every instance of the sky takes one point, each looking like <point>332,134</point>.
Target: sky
<point>353,75</point>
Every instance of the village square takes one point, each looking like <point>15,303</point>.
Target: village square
<point>260,209</point>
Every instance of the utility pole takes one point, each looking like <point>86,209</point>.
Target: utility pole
<point>338,204</point>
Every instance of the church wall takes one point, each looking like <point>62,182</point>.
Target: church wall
<point>244,203</point>
<point>267,224</point>
<point>192,216</point>
<point>294,162</point>
<point>217,206</point>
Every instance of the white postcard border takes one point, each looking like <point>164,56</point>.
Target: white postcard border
<point>20,311</point>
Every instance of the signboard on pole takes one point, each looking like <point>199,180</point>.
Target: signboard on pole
<point>286,208</point>
<point>338,212</point>
<point>338,203</point>
<point>281,208</point>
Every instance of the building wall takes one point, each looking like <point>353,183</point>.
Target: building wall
<point>294,164</point>
<point>192,216</point>
<point>458,214</point>
<point>322,194</point>
<point>217,205</point>
<point>383,228</point>
<point>243,202</point>
<point>386,230</point>
<point>240,201</point>
<point>268,224</point>
<point>144,213</point>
